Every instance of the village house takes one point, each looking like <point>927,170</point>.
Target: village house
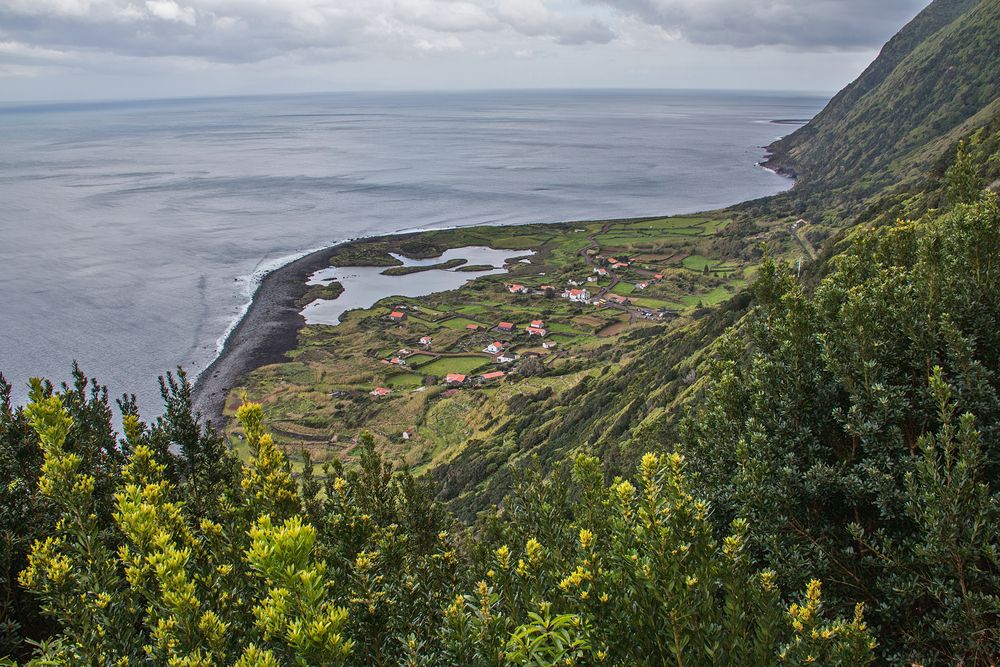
<point>496,347</point>
<point>549,344</point>
<point>591,279</point>
<point>536,331</point>
<point>620,300</point>
<point>504,358</point>
<point>380,392</point>
<point>601,271</point>
<point>642,285</point>
<point>537,323</point>
<point>455,379</point>
<point>577,295</point>
<point>517,288</point>
<point>492,377</point>
<point>620,265</point>
<point>472,327</point>
<point>425,341</point>
<point>396,361</point>
<point>506,326</point>
<point>658,276</point>
<point>397,316</point>
<point>408,433</point>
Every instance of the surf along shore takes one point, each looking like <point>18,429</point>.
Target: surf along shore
<point>269,329</point>
<point>265,333</point>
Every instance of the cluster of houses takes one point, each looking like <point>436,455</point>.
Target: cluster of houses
<point>518,288</point>
<point>577,291</point>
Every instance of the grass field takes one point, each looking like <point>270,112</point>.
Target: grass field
<point>649,302</point>
<point>404,380</point>
<point>717,295</point>
<point>699,262</point>
<point>457,323</point>
<point>446,365</point>
<point>414,360</point>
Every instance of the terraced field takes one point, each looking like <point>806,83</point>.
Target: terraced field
<point>321,396</point>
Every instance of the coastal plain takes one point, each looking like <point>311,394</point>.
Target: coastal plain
<point>392,369</point>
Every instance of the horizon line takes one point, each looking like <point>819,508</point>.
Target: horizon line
<point>28,104</point>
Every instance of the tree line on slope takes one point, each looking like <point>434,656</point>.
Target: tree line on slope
<point>856,427</point>
<point>162,559</point>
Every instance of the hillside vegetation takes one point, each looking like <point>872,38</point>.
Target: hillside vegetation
<point>804,473</point>
<point>933,83</point>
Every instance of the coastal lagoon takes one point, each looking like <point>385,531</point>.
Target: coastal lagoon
<point>133,234</point>
<point>364,286</point>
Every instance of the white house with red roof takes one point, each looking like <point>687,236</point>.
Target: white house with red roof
<point>492,377</point>
<point>517,288</point>
<point>536,331</point>
<point>455,378</point>
<point>380,392</point>
<point>397,316</point>
<point>506,326</point>
<point>537,323</point>
<point>496,347</point>
<point>425,341</point>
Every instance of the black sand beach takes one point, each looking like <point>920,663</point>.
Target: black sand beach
<point>267,331</point>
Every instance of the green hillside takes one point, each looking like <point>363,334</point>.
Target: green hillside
<point>933,83</point>
<point>800,472</point>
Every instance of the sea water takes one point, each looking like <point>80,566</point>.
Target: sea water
<point>132,233</point>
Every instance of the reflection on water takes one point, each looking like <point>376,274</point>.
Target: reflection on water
<point>364,286</point>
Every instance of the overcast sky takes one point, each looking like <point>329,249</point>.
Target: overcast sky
<point>107,49</point>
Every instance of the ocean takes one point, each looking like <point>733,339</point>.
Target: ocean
<point>132,233</point>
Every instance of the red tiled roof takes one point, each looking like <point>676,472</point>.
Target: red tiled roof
<point>397,314</point>
<point>455,377</point>
<point>495,375</point>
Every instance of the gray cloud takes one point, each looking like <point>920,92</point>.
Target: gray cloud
<point>798,24</point>
<point>242,31</point>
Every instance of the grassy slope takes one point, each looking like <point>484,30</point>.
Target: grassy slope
<point>933,84</point>
<point>319,399</point>
<point>904,111</point>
